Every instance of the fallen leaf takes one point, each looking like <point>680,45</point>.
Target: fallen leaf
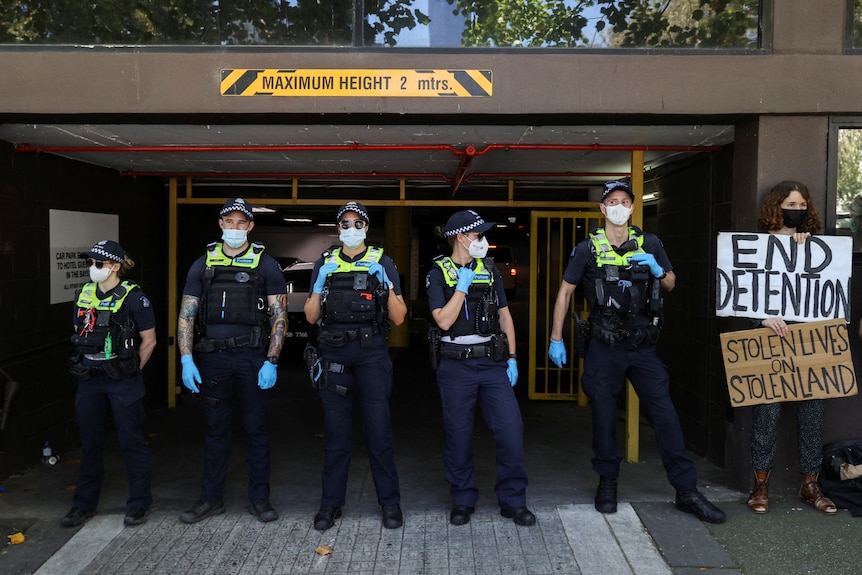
<point>323,550</point>
<point>16,538</point>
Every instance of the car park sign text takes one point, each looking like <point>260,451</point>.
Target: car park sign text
<point>386,83</point>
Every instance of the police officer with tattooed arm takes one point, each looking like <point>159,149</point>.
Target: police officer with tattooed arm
<point>623,271</point>
<point>355,293</point>
<point>231,330</point>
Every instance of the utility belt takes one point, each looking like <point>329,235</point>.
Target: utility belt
<point>206,345</point>
<point>318,369</point>
<point>497,349</point>
<point>339,338</point>
<point>116,369</point>
<point>631,338</point>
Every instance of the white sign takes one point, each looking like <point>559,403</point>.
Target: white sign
<point>770,275</point>
<point>71,233</point>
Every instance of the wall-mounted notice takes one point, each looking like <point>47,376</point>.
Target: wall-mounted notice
<point>71,233</point>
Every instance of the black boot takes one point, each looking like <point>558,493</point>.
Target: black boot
<point>606,496</point>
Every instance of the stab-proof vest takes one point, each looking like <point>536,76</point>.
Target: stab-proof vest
<point>232,288</point>
<point>622,289</point>
<point>481,315</point>
<point>352,297</point>
<point>96,318</point>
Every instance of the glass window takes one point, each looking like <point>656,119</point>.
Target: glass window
<point>855,23</point>
<point>576,24</point>
<point>390,23</point>
<point>848,193</point>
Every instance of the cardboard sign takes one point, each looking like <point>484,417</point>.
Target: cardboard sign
<point>768,275</point>
<point>812,362</point>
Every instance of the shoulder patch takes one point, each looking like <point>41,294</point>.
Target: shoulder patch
<point>145,301</point>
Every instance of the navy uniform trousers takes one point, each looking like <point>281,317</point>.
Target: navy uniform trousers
<point>235,371</point>
<point>368,377</point>
<point>463,384</point>
<point>605,370</point>
<point>95,400</point>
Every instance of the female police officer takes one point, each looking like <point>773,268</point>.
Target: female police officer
<point>477,364</point>
<point>355,293</point>
<point>114,338</point>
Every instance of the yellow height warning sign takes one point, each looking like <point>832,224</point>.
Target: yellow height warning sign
<point>365,83</point>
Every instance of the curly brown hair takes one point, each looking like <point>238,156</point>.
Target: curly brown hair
<point>771,218</point>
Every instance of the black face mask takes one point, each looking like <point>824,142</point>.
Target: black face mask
<point>793,218</point>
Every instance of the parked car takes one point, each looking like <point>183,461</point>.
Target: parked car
<point>298,280</point>
<point>508,266</point>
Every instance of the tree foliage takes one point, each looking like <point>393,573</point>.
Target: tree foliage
<point>849,170</point>
<point>494,23</point>
<point>205,22</point>
<point>626,23</point>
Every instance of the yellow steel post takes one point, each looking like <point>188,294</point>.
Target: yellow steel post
<point>397,246</point>
<point>173,389</point>
<point>632,401</point>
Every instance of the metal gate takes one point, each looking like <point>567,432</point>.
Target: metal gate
<point>552,236</point>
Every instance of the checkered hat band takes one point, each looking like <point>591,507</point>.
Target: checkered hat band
<point>97,250</point>
<point>237,208</point>
<point>353,208</point>
<point>464,229</point>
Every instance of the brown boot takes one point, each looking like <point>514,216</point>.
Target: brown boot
<point>811,494</point>
<point>758,501</point>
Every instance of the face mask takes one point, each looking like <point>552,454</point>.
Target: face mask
<point>618,214</point>
<point>794,218</point>
<point>234,238</point>
<point>478,248</point>
<point>99,275</point>
<point>351,237</point>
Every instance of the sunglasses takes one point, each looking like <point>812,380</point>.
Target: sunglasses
<point>98,264</point>
<point>479,235</point>
<point>345,224</point>
<point>617,184</point>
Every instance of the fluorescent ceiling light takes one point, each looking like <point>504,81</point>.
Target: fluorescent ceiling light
<point>297,220</point>
<point>262,209</point>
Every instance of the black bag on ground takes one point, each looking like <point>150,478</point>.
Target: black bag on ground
<point>841,477</point>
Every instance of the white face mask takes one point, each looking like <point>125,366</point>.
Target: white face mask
<point>234,238</point>
<point>100,275</point>
<point>618,214</point>
<point>351,237</point>
<point>478,248</point>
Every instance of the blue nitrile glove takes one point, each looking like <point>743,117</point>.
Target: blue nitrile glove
<point>375,269</point>
<point>512,371</point>
<point>465,278</point>
<point>322,273</point>
<point>557,352</point>
<point>190,373</point>
<point>649,261</point>
<point>266,376</point>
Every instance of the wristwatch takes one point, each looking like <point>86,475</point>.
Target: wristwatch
<point>273,359</point>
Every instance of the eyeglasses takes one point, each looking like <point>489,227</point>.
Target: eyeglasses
<point>98,264</point>
<point>479,235</point>
<point>345,224</point>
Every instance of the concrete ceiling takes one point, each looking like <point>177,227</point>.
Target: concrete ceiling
<point>438,158</point>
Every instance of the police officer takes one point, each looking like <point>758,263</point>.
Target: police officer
<point>623,271</point>
<point>114,338</point>
<point>477,364</point>
<point>355,294</point>
<point>232,317</point>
